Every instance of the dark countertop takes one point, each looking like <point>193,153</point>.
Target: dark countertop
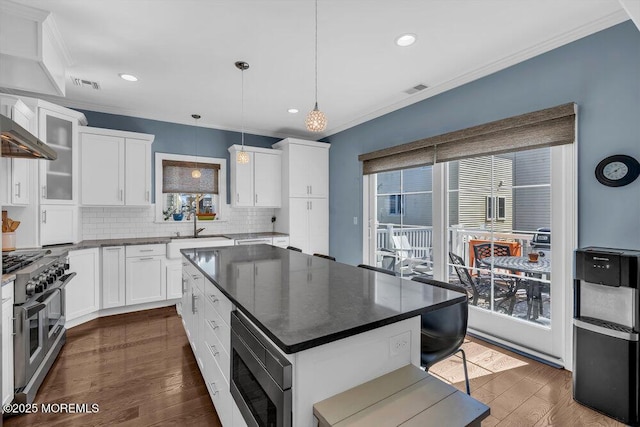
<point>246,236</point>
<point>88,244</point>
<point>300,301</point>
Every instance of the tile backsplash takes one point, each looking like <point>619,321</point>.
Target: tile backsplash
<point>126,222</point>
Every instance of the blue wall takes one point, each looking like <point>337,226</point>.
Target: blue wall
<point>178,139</point>
<point>601,73</point>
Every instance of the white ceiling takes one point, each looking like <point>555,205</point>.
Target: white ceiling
<point>183,52</point>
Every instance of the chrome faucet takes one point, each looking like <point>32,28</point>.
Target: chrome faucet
<point>196,230</point>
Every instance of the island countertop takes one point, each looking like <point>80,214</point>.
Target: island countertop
<point>300,301</point>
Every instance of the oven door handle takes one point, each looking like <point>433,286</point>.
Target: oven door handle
<point>64,280</point>
<point>33,309</point>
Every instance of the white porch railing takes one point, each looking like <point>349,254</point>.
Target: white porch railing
<point>421,237</point>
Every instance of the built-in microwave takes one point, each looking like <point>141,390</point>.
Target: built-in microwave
<point>260,377</point>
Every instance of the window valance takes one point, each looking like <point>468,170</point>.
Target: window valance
<point>543,128</point>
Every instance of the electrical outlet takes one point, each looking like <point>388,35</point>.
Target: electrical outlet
<point>400,343</point>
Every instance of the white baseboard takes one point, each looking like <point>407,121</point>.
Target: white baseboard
<point>118,310</point>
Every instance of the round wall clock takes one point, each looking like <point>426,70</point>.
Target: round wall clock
<point>618,170</point>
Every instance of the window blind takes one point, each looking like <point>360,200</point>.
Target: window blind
<point>176,177</point>
<point>543,128</point>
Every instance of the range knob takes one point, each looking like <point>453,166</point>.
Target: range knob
<point>30,287</point>
<point>60,271</point>
<point>40,287</point>
<point>51,278</point>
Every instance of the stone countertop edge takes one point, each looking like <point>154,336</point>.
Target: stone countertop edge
<point>130,241</point>
<point>7,278</point>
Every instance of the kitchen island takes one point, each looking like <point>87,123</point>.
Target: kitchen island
<point>337,325</point>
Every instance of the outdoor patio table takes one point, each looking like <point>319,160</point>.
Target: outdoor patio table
<point>539,269</point>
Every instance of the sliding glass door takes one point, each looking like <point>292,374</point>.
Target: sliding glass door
<point>495,213</point>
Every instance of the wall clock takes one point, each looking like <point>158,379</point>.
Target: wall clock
<point>618,170</point>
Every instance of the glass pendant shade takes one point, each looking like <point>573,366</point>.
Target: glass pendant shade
<point>196,173</point>
<point>242,157</point>
<point>316,121</point>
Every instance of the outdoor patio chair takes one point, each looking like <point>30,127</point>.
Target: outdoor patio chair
<point>505,295</point>
<point>406,259</point>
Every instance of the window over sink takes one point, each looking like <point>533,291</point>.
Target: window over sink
<point>188,185</point>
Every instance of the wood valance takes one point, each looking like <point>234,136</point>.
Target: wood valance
<point>543,128</point>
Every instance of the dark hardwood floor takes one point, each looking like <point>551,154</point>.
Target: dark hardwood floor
<point>137,367</point>
<point>140,370</point>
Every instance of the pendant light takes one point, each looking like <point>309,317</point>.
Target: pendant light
<point>242,157</point>
<point>196,172</point>
<point>316,121</point>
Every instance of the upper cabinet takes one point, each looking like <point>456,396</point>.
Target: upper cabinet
<point>115,167</point>
<point>257,183</point>
<point>58,127</point>
<point>16,179</point>
<point>306,168</point>
<point>32,55</point>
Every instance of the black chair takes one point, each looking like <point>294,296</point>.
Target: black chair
<point>291,248</point>
<point>505,291</point>
<point>443,330</point>
<point>325,256</point>
<point>378,269</point>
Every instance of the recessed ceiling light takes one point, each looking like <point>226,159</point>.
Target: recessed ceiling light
<point>128,77</point>
<point>292,110</point>
<point>406,40</point>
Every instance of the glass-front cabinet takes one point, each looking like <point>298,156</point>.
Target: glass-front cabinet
<point>58,177</point>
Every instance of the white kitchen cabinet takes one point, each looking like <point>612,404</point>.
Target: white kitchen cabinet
<point>145,274</point>
<point>58,127</point>
<point>82,293</point>
<point>174,279</point>
<point>309,226</point>
<point>257,183</point>
<point>113,276</point>
<point>7,343</point>
<point>17,171</point>
<point>305,189</point>
<point>306,165</point>
<point>58,224</point>
<point>102,169</point>
<point>137,174</point>
<point>115,167</point>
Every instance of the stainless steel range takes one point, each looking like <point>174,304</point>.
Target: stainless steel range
<point>39,301</point>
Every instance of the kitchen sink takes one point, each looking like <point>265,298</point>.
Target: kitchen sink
<point>188,242</point>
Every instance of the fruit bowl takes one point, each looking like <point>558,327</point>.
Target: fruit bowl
<point>206,216</point>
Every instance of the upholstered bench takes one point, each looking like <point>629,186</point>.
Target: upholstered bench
<point>407,397</point>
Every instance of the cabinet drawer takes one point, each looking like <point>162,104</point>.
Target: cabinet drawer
<point>7,291</point>
<point>219,392</point>
<point>215,349</point>
<point>145,250</point>
<point>219,302</point>
<point>214,321</point>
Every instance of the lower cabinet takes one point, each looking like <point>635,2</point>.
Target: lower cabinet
<point>7,343</point>
<point>82,293</point>
<point>145,274</point>
<point>113,277</point>
<point>58,224</point>
<point>206,314</point>
<point>174,279</point>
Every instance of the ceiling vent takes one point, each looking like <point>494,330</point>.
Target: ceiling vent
<point>416,89</point>
<point>85,83</point>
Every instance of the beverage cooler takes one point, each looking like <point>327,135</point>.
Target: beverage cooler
<point>605,332</point>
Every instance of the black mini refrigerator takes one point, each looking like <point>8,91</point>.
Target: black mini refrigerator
<point>606,352</point>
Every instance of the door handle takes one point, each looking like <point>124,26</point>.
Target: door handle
<point>238,197</point>
<point>193,303</point>
<point>183,282</point>
<point>256,198</point>
<point>44,191</point>
<point>146,259</point>
<point>121,194</point>
<point>214,350</point>
<point>146,197</point>
<point>44,216</point>
<point>311,189</point>
<point>18,191</point>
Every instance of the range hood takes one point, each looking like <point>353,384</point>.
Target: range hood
<point>19,142</point>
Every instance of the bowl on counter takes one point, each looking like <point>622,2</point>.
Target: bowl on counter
<point>206,216</point>
<point>178,216</point>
